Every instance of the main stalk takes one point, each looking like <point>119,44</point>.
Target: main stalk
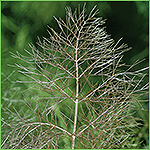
<point>77,100</point>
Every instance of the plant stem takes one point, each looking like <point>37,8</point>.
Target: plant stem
<point>76,102</point>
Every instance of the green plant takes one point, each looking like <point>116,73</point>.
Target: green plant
<point>83,91</point>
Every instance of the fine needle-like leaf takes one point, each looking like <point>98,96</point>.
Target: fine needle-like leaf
<point>83,93</point>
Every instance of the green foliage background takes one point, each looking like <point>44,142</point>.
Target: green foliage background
<point>22,22</point>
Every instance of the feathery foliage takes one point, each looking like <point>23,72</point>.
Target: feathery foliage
<point>85,91</point>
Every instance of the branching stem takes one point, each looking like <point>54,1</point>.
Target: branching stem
<point>77,100</point>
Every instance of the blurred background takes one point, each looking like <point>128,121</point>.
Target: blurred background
<point>22,22</point>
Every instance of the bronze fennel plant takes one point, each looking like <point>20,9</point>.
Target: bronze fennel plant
<point>85,90</point>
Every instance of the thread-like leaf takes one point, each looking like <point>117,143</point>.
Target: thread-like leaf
<point>85,92</point>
